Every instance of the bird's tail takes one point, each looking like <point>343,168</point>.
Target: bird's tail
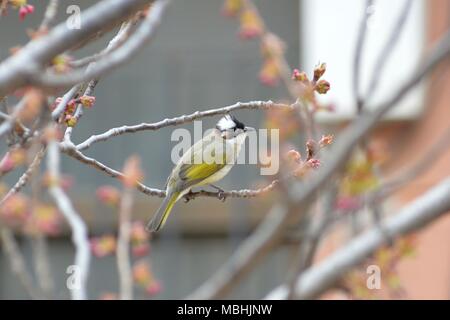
<point>160,217</point>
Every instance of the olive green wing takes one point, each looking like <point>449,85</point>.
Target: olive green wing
<point>198,172</point>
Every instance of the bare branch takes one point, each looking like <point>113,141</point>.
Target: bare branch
<point>8,124</point>
<point>18,265</point>
<point>358,53</point>
<point>23,180</point>
<point>244,193</point>
<point>113,59</point>
<point>252,105</point>
<point>77,225</point>
<point>17,70</point>
<point>50,14</point>
<point>387,50</point>
<point>116,42</point>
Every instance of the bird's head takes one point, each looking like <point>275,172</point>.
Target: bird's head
<point>230,127</point>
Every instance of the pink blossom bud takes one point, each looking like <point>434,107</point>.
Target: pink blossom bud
<point>87,101</point>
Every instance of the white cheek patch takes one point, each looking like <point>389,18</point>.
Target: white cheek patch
<point>226,123</point>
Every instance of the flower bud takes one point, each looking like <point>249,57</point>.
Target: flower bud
<point>269,74</point>
<point>70,120</point>
<point>231,7</point>
<point>251,25</point>
<point>299,76</point>
<point>322,86</point>
<point>326,140</point>
<point>108,195</point>
<point>319,71</point>
<point>314,163</point>
<point>87,101</point>
<point>25,10</point>
<point>103,246</point>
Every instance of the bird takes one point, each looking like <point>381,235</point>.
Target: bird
<point>206,162</point>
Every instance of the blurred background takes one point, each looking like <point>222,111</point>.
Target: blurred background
<point>197,62</point>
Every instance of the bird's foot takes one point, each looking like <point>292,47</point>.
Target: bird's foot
<point>189,196</point>
<point>221,193</point>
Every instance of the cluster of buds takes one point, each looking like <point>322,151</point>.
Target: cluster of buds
<point>65,181</point>
<point>140,244</point>
<point>231,8</point>
<point>108,195</point>
<point>144,278</point>
<point>317,84</point>
<point>45,219</point>
<point>70,120</point>
<point>15,210</point>
<point>310,87</point>
<point>299,166</point>
<point>387,259</point>
<point>68,116</point>
<point>23,6</point>
<point>12,159</point>
<point>103,246</point>
<point>85,101</point>
<point>360,177</point>
<point>251,25</point>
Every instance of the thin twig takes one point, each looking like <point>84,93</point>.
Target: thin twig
<point>387,50</point>
<point>142,35</point>
<point>49,15</point>
<point>19,70</point>
<point>17,261</point>
<point>23,180</point>
<point>358,54</point>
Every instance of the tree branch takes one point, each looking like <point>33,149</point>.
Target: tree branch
<point>17,261</point>
<point>77,225</point>
<point>113,59</point>
<point>252,105</point>
<point>417,214</point>
<point>19,69</point>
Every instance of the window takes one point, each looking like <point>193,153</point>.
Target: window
<point>329,32</point>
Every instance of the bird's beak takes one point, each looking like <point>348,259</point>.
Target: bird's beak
<point>249,129</point>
